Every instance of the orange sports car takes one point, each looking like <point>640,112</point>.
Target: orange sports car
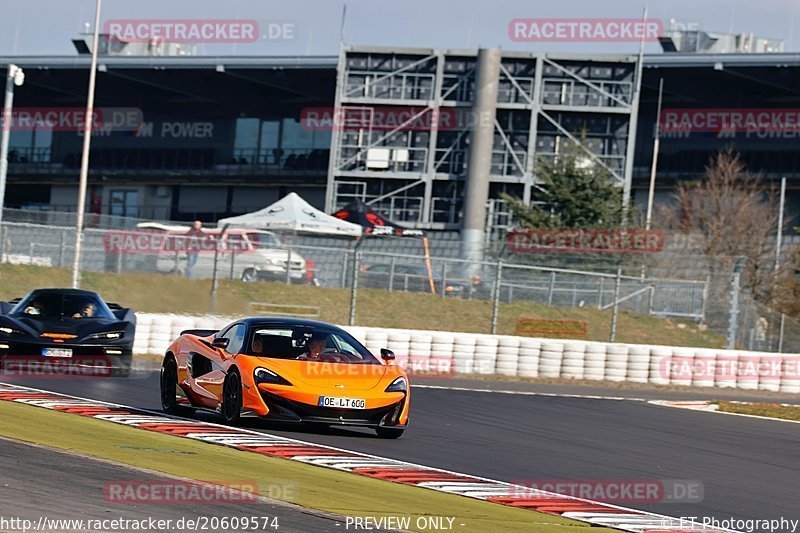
<point>285,370</point>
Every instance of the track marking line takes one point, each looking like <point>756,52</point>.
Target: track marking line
<point>707,408</point>
<point>614,516</point>
<point>531,393</point>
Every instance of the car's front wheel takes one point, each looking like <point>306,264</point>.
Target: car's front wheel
<point>232,397</point>
<point>389,433</point>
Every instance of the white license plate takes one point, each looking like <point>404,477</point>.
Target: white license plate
<point>342,403</point>
<point>56,352</point>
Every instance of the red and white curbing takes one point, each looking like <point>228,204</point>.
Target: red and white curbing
<point>596,513</point>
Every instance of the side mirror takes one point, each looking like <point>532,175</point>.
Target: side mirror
<point>387,355</point>
<point>220,342</point>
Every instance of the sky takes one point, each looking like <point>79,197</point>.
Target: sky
<point>45,27</point>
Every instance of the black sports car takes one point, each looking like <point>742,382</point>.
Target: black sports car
<point>65,331</point>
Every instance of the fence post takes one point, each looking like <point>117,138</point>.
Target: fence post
<point>391,273</point>
<point>444,278</point>
<point>780,338</point>
<point>651,299</point>
<point>354,287</point>
<point>344,268</point>
<point>705,297</point>
<point>3,239</point>
<point>233,259</point>
<point>600,293</point>
<point>551,288</point>
<point>615,310</point>
<point>62,249</point>
<point>288,265</point>
<point>734,313</point>
<point>212,304</point>
<point>498,276</point>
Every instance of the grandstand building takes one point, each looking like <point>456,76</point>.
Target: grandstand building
<point>219,136</point>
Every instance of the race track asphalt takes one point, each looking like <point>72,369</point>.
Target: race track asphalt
<point>749,468</point>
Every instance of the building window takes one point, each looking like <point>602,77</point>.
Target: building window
<point>124,203</point>
<point>245,147</point>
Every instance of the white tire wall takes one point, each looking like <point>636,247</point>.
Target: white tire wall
<point>616,362</point>
<point>573,360</point>
<point>550,358</point>
<point>444,353</point>
<point>638,363</point>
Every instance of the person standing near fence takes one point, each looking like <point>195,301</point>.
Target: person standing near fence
<point>193,246</point>
<point>477,289</point>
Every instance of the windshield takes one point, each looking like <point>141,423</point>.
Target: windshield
<point>58,305</point>
<point>263,240</point>
<point>308,344</point>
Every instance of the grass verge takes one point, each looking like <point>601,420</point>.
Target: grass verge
<point>771,410</point>
<point>314,487</point>
<point>174,294</point>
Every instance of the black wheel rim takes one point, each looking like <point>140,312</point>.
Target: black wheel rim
<point>169,381</point>
<point>230,396</point>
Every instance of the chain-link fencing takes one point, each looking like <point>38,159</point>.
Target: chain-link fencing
<point>114,245</point>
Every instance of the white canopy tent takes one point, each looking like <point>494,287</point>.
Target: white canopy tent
<point>292,213</point>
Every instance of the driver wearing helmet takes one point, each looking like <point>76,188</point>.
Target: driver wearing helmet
<point>315,345</point>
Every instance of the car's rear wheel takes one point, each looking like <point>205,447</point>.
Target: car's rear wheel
<point>250,275</point>
<point>169,388</point>
<point>232,397</point>
<point>389,433</point>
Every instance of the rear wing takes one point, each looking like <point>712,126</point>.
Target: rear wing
<point>5,307</point>
<point>199,332</point>
<point>124,314</point>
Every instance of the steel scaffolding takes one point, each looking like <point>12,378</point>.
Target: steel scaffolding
<point>403,122</point>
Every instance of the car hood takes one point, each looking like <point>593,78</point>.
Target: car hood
<point>80,327</point>
<point>319,374</point>
<point>275,254</point>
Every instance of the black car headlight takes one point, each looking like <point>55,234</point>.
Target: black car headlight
<point>398,385</point>
<point>5,330</point>
<point>106,336</point>
<point>264,375</point>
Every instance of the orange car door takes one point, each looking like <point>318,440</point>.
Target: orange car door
<point>215,363</point>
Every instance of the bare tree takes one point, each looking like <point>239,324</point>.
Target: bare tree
<point>730,213</point>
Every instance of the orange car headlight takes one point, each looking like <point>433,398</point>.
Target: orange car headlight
<point>264,375</point>
<point>398,385</point>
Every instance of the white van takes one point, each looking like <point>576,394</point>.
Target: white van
<point>249,255</point>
